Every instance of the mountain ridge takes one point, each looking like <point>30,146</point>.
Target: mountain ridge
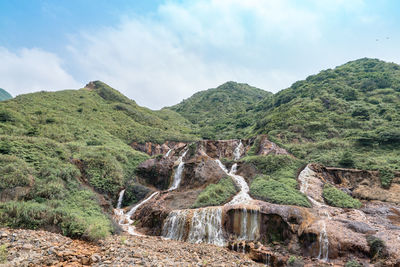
<point>4,95</point>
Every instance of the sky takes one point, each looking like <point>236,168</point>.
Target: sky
<point>160,52</point>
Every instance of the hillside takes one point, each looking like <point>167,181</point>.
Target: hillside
<point>4,95</point>
<point>64,153</point>
<point>347,116</point>
<point>222,112</point>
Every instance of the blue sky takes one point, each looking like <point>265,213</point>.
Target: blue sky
<point>160,52</point>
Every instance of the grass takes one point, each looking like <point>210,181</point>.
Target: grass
<point>3,253</point>
<point>338,198</point>
<point>216,194</point>
<point>273,191</point>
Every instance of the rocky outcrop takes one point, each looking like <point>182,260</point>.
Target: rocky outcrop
<point>153,149</point>
<point>156,172</point>
<point>267,147</point>
<point>362,184</point>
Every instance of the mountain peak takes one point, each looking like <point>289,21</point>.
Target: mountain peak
<point>4,95</point>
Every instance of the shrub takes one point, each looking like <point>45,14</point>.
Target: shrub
<point>353,263</point>
<point>14,172</point>
<point>338,198</point>
<point>216,194</point>
<point>386,176</point>
<point>3,252</point>
<point>294,261</point>
<point>377,248</point>
<point>267,189</point>
<point>347,160</point>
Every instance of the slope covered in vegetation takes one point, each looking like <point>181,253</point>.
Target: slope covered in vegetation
<point>4,95</point>
<point>222,112</point>
<point>61,152</point>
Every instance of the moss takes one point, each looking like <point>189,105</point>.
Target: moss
<point>216,194</point>
<point>270,190</point>
<point>338,198</point>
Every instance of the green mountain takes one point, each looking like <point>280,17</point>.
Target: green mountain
<point>348,116</point>
<point>4,95</point>
<point>222,112</point>
<point>62,152</point>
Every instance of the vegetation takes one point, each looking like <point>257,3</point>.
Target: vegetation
<point>353,263</point>
<point>3,252</point>
<point>4,95</point>
<point>338,198</point>
<point>347,116</point>
<point>295,261</point>
<point>216,194</point>
<point>377,247</point>
<point>67,147</point>
<point>221,112</point>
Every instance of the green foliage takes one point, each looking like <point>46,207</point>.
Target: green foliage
<point>338,198</point>
<point>377,247</point>
<point>346,160</point>
<point>14,172</point>
<point>275,191</point>
<point>216,194</point>
<point>353,263</point>
<point>386,175</point>
<point>223,112</point>
<point>295,261</point>
<point>3,252</point>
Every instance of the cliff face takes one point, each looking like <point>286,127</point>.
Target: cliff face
<point>322,232</point>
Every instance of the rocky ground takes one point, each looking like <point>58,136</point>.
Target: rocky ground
<point>41,248</point>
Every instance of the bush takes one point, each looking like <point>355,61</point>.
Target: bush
<point>14,172</point>
<point>377,248</point>
<point>267,189</point>
<point>347,160</point>
<point>216,194</point>
<point>386,176</point>
<point>338,198</point>
<point>294,261</point>
<point>353,263</point>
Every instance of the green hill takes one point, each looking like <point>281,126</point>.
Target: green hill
<point>4,95</point>
<point>222,112</point>
<point>61,152</point>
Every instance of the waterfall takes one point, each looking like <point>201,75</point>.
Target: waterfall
<point>243,195</point>
<point>124,220</point>
<point>237,152</point>
<point>178,173</point>
<point>120,198</point>
<point>323,243</point>
<point>222,166</point>
<point>246,224</point>
<point>303,178</point>
<point>133,210</point>
<point>175,225</point>
<point>206,226</point>
<point>167,154</point>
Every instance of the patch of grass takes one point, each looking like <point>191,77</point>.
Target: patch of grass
<point>275,191</point>
<point>353,263</point>
<point>216,194</point>
<point>3,253</point>
<point>377,247</point>
<point>338,198</point>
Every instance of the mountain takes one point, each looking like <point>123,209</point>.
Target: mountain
<point>67,154</point>
<point>4,95</point>
<point>225,107</point>
<point>348,116</point>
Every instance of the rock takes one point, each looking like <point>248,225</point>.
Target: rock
<point>85,261</point>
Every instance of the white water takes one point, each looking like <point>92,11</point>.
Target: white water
<point>249,225</point>
<point>178,173</point>
<point>167,154</point>
<point>125,219</point>
<point>238,151</point>
<point>243,195</point>
<point>323,243</point>
<point>120,198</point>
<point>206,226</point>
<point>175,225</point>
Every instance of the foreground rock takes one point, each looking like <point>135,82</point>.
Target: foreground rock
<point>41,248</point>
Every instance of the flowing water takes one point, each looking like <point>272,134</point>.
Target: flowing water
<point>175,225</point>
<point>323,243</point>
<point>178,173</point>
<point>167,154</point>
<point>206,226</point>
<point>125,220</point>
<point>120,198</point>
<point>243,195</point>
<point>238,151</point>
<point>249,224</point>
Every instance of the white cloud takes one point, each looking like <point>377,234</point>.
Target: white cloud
<point>32,70</point>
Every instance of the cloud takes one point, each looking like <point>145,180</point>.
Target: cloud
<point>193,46</point>
<point>30,70</point>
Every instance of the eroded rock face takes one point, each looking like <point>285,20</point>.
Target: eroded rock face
<point>153,149</point>
<point>267,147</point>
<point>156,172</point>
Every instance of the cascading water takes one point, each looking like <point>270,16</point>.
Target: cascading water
<point>238,151</point>
<point>178,173</point>
<point>323,243</point>
<point>243,195</point>
<point>125,219</point>
<point>120,198</point>
<point>175,225</point>
<point>206,226</point>
<point>167,154</point>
